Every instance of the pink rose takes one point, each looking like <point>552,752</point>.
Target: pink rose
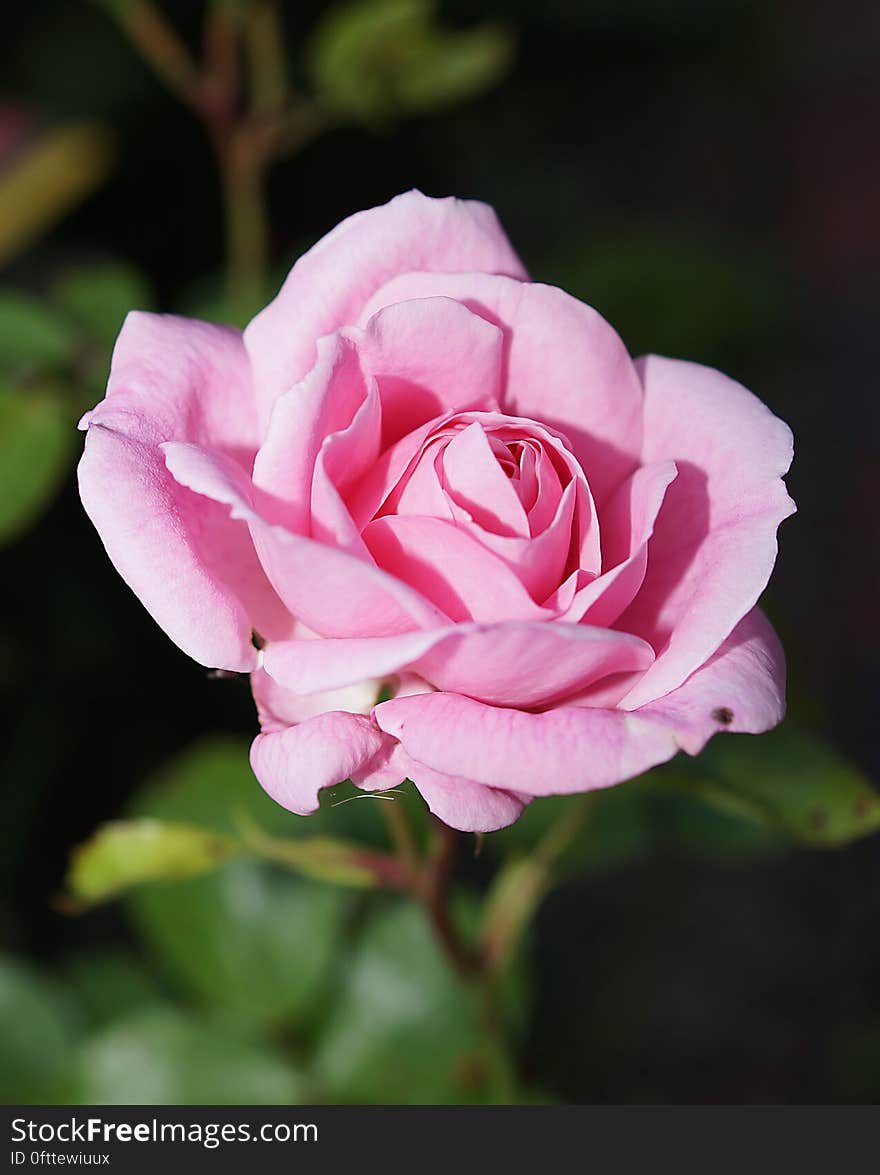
<point>419,472</point>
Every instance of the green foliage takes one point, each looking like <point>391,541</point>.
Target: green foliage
<point>162,1057</point>
<point>257,944</point>
<point>109,984</point>
<point>32,334</point>
<point>127,853</point>
<point>403,1028</point>
<point>673,292</point>
<point>211,784</point>
<point>618,826</point>
<point>37,1031</point>
<point>44,182</point>
<point>373,59</point>
<point>788,780</point>
<point>36,445</point>
<point>321,858</point>
<point>96,298</point>
<point>247,938</point>
<point>54,355</point>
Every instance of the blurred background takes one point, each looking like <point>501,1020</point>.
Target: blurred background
<point>707,176</point>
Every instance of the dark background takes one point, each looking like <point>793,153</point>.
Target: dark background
<point>707,176</point>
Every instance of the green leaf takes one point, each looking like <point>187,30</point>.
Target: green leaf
<point>322,858</point>
<point>619,827</point>
<point>98,297</point>
<point>247,938</point>
<point>127,853</point>
<point>674,289</point>
<point>516,892</point>
<point>36,447</point>
<point>452,67</point>
<point>402,1028</point>
<point>109,984</point>
<point>48,179</point>
<point>160,1057</point>
<point>37,1034</point>
<point>32,334</point>
<point>787,779</point>
<point>211,784</point>
<point>374,58</point>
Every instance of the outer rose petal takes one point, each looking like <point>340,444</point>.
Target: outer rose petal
<point>567,749</point>
<point>740,689</point>
<point>714,542</point>
<point>461,803</point>
<point>329,285</point>
<point>566,366</point>
<point>574,749</point>
<point>294,764</point>
<point>513,664</point>
<point>193,568</point>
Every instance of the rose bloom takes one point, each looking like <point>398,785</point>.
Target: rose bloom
<point>417,475</point>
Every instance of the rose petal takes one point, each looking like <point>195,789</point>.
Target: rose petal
<point>293,765</point>
<point>475,481</point>
<point>573,748</point>
<point>518,664</point>
<point>741,688</point>
<point>326,401</point>
<point>537,562</point>
<point>568,749</point>
<point>279,708</point>
<point>193,568</point>
<point>329,285</point>
<point>461,803</point>
<point>627,525</point>
<point>445,565</point>
<point>431,356</point>
<point>714,542</point>
<point>331,591</point>
<point>566,366</point>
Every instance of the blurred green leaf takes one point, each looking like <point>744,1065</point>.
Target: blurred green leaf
<point>127,853</point>
<point>161,1057</point>
<point>98,297</point>
<point>515,894</point>
<point>788,779</point>
<point>36,446</point>
<point>452,67</point>
<point>37,1035</point>
<point>620,826</point>
<point>403,1029</point>
<point>109,984</point>
<point>374,58</point>
<point>211,784</point>
<point>53,175</point>
<point>256,942</point>
<point>721,830</point>
<point>671,290</point>
<point>32,334</point>
<point>321,858</point>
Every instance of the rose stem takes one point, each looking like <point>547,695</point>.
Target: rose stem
<point>435,898</point>
<point>401,837</point>
<point>277,122</point>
